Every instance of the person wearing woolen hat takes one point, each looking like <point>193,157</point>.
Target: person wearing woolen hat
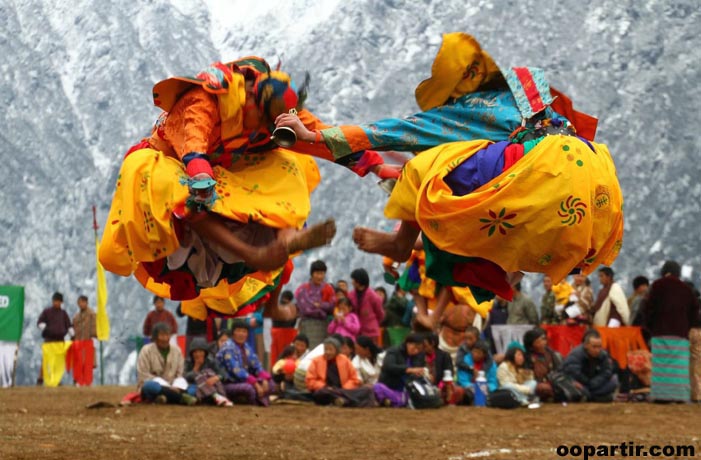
<point>204,375</point>
<point>196,201</point>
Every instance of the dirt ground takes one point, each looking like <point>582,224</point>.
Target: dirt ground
<point>54,423</point>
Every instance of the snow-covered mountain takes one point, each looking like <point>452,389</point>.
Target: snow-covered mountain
<point>75,93</point>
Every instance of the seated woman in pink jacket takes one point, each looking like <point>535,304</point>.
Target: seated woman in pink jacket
<point>345,322</point>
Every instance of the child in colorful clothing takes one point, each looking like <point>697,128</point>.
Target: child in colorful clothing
<point>479,359</point>
<point>345,322</point>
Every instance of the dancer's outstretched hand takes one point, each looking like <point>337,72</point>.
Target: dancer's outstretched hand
<point>292,121</point>
<point>311,237</point>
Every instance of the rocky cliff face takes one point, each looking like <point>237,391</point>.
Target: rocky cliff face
<point>75,93</point>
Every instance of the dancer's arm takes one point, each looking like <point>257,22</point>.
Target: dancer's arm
<point>481,115</point>
<point>190,123</point>
<point>311,144</point>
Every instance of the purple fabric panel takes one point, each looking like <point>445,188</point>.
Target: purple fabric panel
<point>477,170</point>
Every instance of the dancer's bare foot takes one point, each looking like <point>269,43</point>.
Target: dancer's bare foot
<point>311,237</point>
<point>377,242</point>
<point>289,241</point>
<point>385,171</point>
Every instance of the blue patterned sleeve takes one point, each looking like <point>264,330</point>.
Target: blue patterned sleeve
<point>230,359</point>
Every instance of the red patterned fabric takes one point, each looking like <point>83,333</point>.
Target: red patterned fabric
<point>584,124</point>
<point>530,88</point>
<point>564,338</point>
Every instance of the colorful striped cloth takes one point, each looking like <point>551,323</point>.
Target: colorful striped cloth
<point>670,369</point>
<point>695,364</point>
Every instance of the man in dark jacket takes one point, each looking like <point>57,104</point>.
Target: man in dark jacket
<point>159,314</point>
<point>592,369</point>
<point>54,324</point>
<point>671,308</point>
<point>670,315</point>
<point>400,364</point>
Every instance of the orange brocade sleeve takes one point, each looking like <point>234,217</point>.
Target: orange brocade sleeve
<point>319,149</point>
<point>191,122</point>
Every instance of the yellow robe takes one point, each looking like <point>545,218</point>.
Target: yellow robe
<point>558,208</point>
<point>272,189</point>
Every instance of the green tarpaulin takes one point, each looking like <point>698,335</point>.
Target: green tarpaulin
<point>11,313</point>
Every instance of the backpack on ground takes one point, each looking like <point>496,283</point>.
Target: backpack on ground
<point>564,388</point>
<point>503,399</point>
<point>423,394</point>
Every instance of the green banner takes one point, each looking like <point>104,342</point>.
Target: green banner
<point>11,313</point>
